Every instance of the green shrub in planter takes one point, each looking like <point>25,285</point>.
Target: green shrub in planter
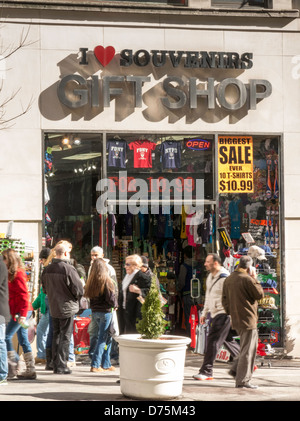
<point>152,324</point>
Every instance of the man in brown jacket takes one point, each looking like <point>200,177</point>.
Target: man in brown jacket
<point>240,294</point>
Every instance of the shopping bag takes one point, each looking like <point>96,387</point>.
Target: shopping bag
<point>114,325</point>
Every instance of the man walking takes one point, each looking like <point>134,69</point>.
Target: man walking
<point>240,294</point>
<point>4,319</point>
<point>220,330</point>
<point>64,289</point>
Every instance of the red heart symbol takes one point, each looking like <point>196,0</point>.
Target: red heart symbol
<point>104,55</point>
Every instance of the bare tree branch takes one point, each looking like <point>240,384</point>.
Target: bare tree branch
<point>5,54</point>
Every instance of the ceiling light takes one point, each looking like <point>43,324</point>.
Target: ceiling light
<point>65,140</point>
<point>77,141</point>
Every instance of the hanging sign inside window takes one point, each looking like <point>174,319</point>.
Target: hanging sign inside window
<point>235,164</point>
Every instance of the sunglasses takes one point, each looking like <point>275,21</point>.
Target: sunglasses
<point>127,264</point>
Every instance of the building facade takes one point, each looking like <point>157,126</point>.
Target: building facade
<point>170,103</point>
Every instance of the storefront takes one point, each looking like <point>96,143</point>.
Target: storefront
<point>149,139</point>
<point>155,194</point>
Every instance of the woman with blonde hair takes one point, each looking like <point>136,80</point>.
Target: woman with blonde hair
<point>101,291</point>
<point>135,285</point>
<point>20,310</point>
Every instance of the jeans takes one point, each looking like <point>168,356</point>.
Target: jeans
<point>101,355</point>
<point>93,333</point>
<point>22,334</point>
<point>41,335</point>
<point>3,353</point>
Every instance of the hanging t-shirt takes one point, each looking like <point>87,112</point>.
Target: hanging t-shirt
<point>171,154</point>
<point>142,153</point>
<point>117,153</point>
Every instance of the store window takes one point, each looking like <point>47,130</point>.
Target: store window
<point>73,165</point>
<point>249,218</point>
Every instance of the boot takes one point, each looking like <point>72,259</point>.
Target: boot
<point>29,373</point>
<point>49,362</point>
<point>12,364</point>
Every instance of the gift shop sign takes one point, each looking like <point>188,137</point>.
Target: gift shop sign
<point>75,90</point>
<point>235,164</point>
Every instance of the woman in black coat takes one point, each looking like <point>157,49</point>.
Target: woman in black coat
<point>135,285</point>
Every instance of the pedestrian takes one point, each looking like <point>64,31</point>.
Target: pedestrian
<point>98,253</point>
<point>4,318</point>
<point>20,310</point>
<point>135,287</point>
<point>43,324</point>
<point>220,332</point>
<point>240,295</point>
<point>101,291</point>
<point>184,285</point>
<point>64,289</point>
<point>71,358</point>
<point>146,269</point>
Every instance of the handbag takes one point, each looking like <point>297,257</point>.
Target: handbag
<point>114,325</point>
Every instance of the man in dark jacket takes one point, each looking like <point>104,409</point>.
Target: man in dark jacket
<point>4,318</point>
<point>64,289</point>
<point>240,294</point>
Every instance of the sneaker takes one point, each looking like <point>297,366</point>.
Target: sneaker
<point>111,368</point>
<point>71,364</point>
<point>96,369</point>
<point>247,386</point>
<point>202,377</point>
<point>3,382</point>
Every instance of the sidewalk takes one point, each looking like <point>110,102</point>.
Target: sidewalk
<point>280,382</point>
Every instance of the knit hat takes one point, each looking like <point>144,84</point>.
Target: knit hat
<point>44,254</point>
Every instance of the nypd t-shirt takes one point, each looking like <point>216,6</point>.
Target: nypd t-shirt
<point>117,153</point>
<point>171,154</point>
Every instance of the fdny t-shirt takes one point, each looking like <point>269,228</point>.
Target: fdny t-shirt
<point>171,154</point>
<point>117,153</point>
<point>142,153</point>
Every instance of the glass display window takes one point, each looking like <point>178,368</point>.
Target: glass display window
<point>72,168</point>
<point>249,180</point>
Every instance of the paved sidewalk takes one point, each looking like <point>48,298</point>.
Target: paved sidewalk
<point>280,382</point>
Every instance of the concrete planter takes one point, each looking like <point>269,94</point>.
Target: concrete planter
<point>152,368</point>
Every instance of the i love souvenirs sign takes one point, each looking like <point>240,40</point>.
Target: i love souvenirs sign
<point>98,89</point>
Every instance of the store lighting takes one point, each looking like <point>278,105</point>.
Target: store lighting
<point>77,141</point>
<point>65,141</point>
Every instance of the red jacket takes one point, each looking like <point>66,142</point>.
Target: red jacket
<point>18,295</point>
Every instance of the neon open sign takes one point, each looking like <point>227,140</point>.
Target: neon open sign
<point>198,144</point>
